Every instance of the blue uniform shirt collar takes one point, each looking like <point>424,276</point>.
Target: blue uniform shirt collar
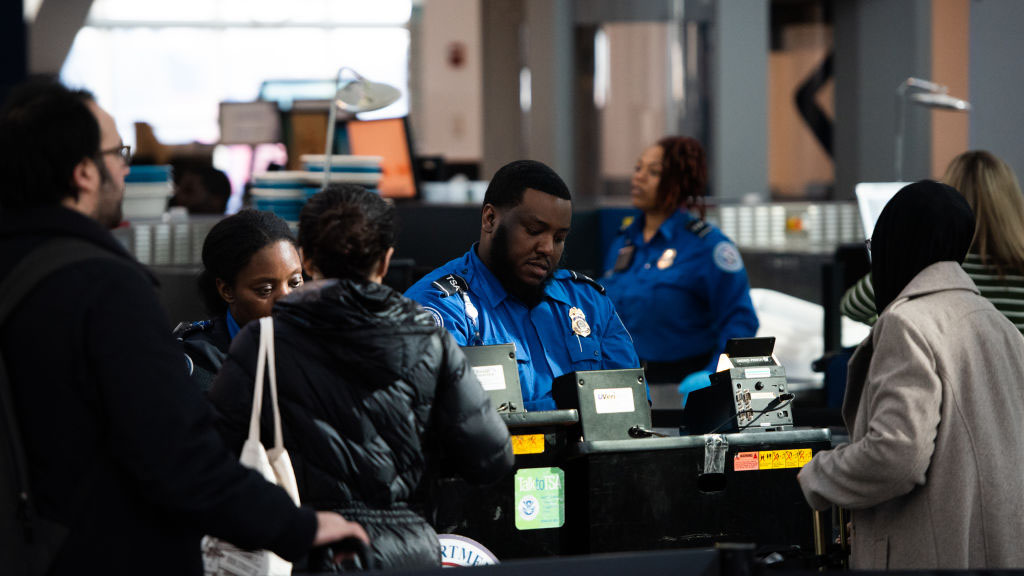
<point>668,229</point>
<point>488,288</point>
<point>233,326</point>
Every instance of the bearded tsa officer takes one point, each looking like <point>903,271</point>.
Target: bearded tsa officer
<point>677,281</point>
<point>508,289</point>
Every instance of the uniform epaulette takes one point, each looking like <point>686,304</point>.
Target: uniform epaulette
<point>699,227</point>
<point>451,284</point>
<point>577,277</point>
<point>186,329</point>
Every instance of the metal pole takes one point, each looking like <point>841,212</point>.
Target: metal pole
<point>901,124</point>
<point>844,537</point>
<point>819,537</point>
<point>332,118</point>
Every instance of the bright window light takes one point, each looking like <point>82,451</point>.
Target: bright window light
<point>170,64</point>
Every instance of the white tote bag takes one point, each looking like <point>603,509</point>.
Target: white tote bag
<point>219,557</point>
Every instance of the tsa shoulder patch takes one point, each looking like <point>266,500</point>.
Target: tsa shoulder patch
<point>577,277</point>
<point>727,257</point>
<point>451,284</point>
<point>438,319</point>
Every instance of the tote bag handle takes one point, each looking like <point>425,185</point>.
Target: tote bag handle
<point>265,360</point>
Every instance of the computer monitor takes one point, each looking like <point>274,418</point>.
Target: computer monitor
<point>871,199</point>
<point>389,139</point>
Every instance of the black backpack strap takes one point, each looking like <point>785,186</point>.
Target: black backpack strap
<point>40,263</point>
<point>36,265</point>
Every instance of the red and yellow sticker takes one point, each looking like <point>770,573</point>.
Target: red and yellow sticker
<point>771,459</point>
<point>528,444</point>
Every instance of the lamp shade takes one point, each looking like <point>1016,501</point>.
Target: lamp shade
<point>362,95</point>
<point>940,100</point>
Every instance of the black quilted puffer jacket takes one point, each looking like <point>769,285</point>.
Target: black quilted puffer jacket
<point>372,395</point>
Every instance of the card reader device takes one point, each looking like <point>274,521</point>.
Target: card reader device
<point>495,367</point>
<point>610,403</point>
<point>747,394</point>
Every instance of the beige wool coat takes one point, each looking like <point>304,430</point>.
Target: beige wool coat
<point>934,472</point>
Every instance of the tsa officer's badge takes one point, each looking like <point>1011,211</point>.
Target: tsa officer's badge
<point>666,259</point>
<point>579,322</point>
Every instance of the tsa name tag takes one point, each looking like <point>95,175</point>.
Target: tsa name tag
<point>624,259</point>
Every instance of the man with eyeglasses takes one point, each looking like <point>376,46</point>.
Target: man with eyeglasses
<point>113,168</point>
<point>124,469</point>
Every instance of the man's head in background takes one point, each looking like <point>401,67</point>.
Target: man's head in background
<point>58,147</point>
<point>201,188</point>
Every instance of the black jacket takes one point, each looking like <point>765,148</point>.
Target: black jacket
<point>371,392</point>
<point>120,445</point>
<point>206,345</point>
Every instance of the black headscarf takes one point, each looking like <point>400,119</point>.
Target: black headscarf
<point>924,223</point>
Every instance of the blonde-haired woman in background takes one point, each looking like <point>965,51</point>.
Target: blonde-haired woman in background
<point>996,258</point>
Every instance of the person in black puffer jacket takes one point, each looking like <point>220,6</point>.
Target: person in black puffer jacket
<point>371,390</point>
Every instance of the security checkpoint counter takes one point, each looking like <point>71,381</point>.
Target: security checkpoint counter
<point>487,514</point>
<point>571,497</point>
<point>690,491</point>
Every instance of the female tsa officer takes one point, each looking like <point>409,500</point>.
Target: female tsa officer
<point>249,262</point>
<point>677,282</point>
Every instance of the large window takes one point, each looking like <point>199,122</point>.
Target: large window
<point>171,63</point>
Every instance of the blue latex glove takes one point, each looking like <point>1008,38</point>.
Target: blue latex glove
<point>694,381</point>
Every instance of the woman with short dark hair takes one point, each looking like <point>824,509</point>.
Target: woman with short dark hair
<point>370,388</point>
<point>249,262</point>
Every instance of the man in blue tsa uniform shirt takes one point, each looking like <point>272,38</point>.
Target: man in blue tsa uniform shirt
<point>677,281</point>
<point>508,289</point>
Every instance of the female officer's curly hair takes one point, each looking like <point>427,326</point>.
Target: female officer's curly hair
<point>230,245</point>
<point>684,174</point>
<point>346,230</point>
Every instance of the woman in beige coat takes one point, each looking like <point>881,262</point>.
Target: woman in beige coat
<point>934,472</point>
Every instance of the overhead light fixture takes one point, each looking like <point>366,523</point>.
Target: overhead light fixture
<point>354,95</point>
<point>932,96</point>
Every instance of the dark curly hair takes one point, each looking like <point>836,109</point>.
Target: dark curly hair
<point>346,230</point>
<point>230,246</point>
<point>684,174</point>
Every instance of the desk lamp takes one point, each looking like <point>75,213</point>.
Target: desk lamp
<point>354,95</point>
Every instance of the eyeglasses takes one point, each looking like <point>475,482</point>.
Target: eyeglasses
<point>125,152</point>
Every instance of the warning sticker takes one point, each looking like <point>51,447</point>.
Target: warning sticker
<point>528,444</point>
<point>744,461</point>
<point>771,459</point>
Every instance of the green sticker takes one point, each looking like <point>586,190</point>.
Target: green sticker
<point>540,498</point>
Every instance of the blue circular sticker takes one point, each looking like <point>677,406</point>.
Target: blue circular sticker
<point>727,257</point>
<point>437,316</point>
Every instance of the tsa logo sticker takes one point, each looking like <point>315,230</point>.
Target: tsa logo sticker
<point>727,257</point>
<point>528,507</point>
<point>436,315</point>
